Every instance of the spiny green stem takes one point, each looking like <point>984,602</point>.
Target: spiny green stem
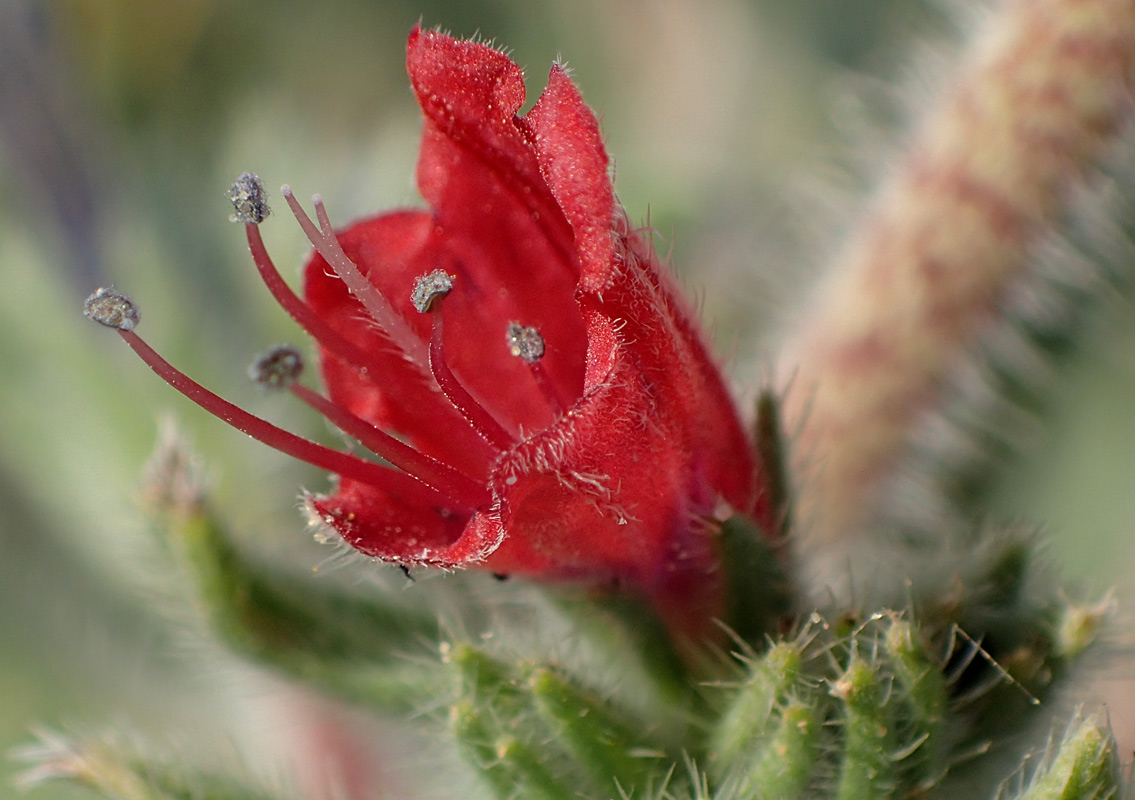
<point>353,646</point>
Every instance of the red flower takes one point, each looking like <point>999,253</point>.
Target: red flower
<point>567,422</point>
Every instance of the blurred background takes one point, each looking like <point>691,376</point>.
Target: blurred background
<point>746,130</point>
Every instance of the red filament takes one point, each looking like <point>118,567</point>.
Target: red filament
<point>435,474</point>
<point>327,245</point>
<point>547,388</point>
<point>301,312</point>
<point>344,464</point>
<point>478,416</point>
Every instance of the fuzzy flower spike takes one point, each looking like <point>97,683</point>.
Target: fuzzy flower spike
<point>516,352</point>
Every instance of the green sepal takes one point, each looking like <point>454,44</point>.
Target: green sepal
<point>484,679</point>
<point>1085,767</point>
<point>772,460</point>
<point>610,746</point>
<point>758,593</point>
<point>920,688</point>
<point>534,779</point>
<point>477,742</point>
<point>749,718</point>
<point>492,719</point>
<point>783,766</point>
<point>866,769</point>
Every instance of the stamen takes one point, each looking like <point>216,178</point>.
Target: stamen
<point>115,310</point>
<point>527,344</point>
<point>430,289</point>
<point>302,313</point>
<point>250,200</point>
<point>277,368</point>
<point>524,342</point>
<point>426,296</point>
<point>329,338</point>
<point>327,245</point>
<point>111,308</point>
<point>280,367</point>
<point>434,474</point>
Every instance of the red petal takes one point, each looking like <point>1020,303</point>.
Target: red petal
<point>651,327</point>
<point>505,237</point>
<point>384,526</point>
<point>632,309</point>
<point>574,163</point>
<point>470,93</point>
<point>608,490</point>
<point>390,250</point>
<point>612,495</point>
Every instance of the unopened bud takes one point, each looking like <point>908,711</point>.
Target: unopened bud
<point>430,288</point>
<point>524,342</point>
<point>249,198</point>
<point>111,308</point>
<point>173,480</point>
<point>277,368</point>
